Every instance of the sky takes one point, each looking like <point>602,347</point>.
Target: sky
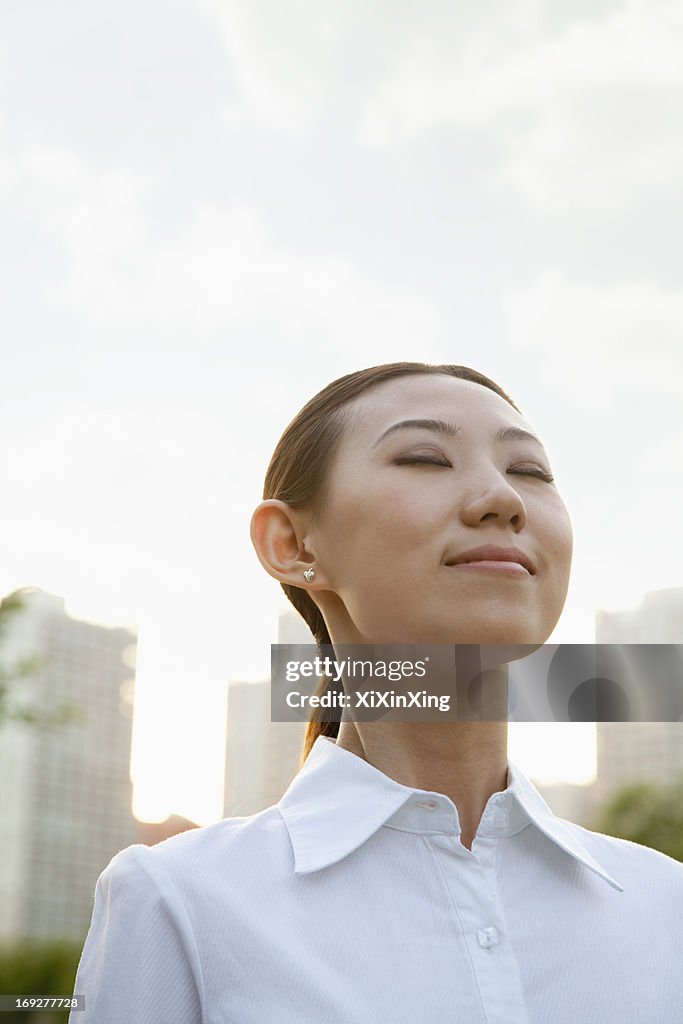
<point>211,208</point>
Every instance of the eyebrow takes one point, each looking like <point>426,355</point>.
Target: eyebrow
<point>453,430</point>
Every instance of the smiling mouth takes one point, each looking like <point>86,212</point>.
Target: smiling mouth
<point>491,558</point>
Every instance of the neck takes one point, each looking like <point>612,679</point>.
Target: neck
<point>466,761</point>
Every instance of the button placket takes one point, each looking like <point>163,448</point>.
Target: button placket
<point>489,936</point>
<point>473,884</point>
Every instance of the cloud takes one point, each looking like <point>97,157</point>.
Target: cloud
<point>295,66</point>
<point>283,58</point>
<point>217,272</point>
<point>584,116</point>
<point>606,341</point>
<point>581,109</point>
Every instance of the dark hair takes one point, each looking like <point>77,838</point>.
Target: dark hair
<point>299,471</point>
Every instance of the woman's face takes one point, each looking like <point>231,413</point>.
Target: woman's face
<point>408,501</point>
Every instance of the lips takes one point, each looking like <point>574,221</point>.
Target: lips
<point>492,553</point>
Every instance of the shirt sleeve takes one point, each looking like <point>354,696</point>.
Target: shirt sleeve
<point>140,961</point>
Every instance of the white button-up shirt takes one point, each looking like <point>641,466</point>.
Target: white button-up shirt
<point>353,901</point>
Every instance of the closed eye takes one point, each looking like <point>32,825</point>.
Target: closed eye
<point>425,460</point>
<point>532,471</point>
<point>428,460</point>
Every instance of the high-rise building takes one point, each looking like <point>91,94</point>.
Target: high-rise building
<point>568,800</point>
<point>262,757</point>
<point>631,752</point>
<point>65,792</point>
<point>657,620</point>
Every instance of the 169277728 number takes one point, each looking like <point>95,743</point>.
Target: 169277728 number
<point>41,1002</point>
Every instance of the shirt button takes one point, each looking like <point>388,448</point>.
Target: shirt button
<point>501,818</point>
<point>429,804</point>
<point>487,937</point>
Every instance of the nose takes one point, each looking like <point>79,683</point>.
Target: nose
<point>492,500</point>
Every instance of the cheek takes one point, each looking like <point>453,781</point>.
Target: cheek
<point>377,533</point>
<point>557,546</point>
<point>550,522</point>
<point>564,538</point>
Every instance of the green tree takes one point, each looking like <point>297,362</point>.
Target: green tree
<point>647,814</point>
<point>12,676</point>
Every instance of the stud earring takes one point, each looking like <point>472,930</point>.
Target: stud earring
<point>309,574</point>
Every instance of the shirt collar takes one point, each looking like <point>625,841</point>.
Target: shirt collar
<point>338,800</point>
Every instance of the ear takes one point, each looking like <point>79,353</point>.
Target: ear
<point>278,534</point>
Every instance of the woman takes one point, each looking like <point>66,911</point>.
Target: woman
<point>411,872</point>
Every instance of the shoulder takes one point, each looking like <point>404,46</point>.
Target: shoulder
<point>157,912</point>
<point>214,853</point>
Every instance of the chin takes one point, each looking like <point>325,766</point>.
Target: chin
<point>511,633</point>
<point>504,626</point>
